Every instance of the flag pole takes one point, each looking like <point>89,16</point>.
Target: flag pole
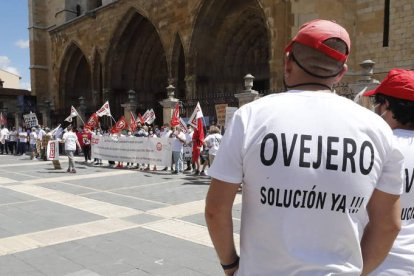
<point>80,117</point>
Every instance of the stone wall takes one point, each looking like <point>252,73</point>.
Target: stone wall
<point>53,33</point>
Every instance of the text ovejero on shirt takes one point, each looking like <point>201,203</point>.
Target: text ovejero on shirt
<point>349,154</point>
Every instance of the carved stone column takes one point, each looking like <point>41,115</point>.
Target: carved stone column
<point>248,95</point>
<point>45,110</point>
<point>365,83</point>
<point>81,111</point>
<point>130,106</point>
<point>168,104</point>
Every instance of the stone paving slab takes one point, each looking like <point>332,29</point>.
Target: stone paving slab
<point>103,221</point>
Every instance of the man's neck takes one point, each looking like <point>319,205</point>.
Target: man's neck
<point>310,87</point>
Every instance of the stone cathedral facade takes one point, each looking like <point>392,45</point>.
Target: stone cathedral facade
<point>98,50</point>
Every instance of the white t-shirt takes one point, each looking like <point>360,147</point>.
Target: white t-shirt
<point>40,134</point>
<point>13,136</point>
<point>213,143</point>
<point>309,162</point>
<point>70,139</point>
<point>400,260</point>
<point>4,135</point>
<point>33,138</point>
<point>177,145</point>
<point>23,137</point>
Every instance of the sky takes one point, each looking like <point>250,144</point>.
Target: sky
<point>14,39</point>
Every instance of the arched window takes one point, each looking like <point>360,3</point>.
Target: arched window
<point>78,10</point>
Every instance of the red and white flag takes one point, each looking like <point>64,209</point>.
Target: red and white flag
<point>73,113</point>
<point>197,113</point>
<point>149,116</point>
<point>145,116</point>
<point>183,126</point>
<point>120,125</point>
<point>104,110</point>
<point>198,135</point>
<point>175,119</point>
<point>92,121</point>
<point>133,122</point>
<point>141,119</point>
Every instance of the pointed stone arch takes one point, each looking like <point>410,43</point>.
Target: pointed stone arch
<point>136,60</point>
<point>75,78</point>
<point>230,39</point>
<point>178,68</point>
<point>97,79</point>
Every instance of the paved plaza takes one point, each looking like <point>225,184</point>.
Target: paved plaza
<point>102,221</point>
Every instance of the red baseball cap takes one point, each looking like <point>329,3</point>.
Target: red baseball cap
<point>315,32</point>
<point>399,83</point>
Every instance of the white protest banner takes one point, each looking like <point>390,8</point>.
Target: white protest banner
<point>53,150</point>
<point>221,114</point>
<point>156,151</point>
<point>30,119</point>
<point>229,115</point>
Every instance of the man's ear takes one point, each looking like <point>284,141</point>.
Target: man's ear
<point>342,73</point>
<point>288,65</point>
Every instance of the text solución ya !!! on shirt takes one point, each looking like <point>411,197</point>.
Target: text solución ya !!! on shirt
<point>349,155</point>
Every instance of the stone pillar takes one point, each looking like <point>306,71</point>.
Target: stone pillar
<point>95,98</point>
<point>248,95</point>
<point>168,104</point>
<point>18,114</point>
<point>130,106</point>
<point>45,110</point>
<point>365,83</point>
<point>107,94</point>
<point>81,111</point>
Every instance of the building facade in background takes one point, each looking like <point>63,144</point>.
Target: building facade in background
<point>99,50</point>
<point>9,80</point>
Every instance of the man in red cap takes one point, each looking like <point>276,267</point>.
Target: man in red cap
<point>320,186</point>
<point>394,102</point>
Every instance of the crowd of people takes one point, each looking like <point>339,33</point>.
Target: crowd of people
<point>33,141</point>
<point>24,140</point>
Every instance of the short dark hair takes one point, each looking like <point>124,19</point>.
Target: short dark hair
<point>403,110</point>
<point>317,62</point>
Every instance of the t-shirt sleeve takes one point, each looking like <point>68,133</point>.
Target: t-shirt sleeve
<point>391,179</point>
<point>228,163</point>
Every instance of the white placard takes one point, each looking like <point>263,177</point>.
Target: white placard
<point>229,114</point>
<point>30,119</point>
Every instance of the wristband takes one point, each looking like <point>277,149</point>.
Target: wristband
<point>232,265</point>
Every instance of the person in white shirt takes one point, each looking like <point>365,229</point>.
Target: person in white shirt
<point>394,102</point>
<point>71,141</point>
<point>212,143</point>
<point>13,141</point>
<point>33,142</point>
<point>166,133</point>
<point>22,141</point>
<point>4,137</point>
<point>177,149</point>
<point>188,148</point>
<point>321,175</point>
<point>40,150</point>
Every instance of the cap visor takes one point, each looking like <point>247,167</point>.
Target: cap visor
<point>370,92</point>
